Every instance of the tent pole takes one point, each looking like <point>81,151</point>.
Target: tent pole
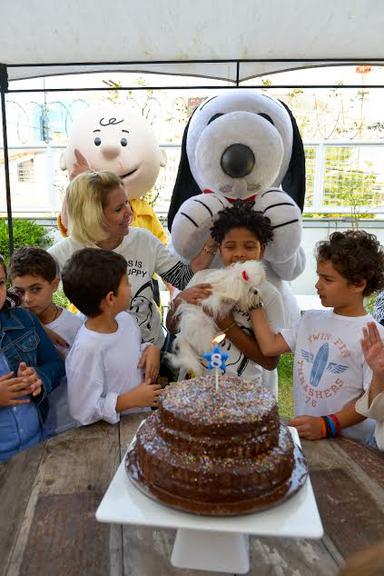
<point>3,90</point>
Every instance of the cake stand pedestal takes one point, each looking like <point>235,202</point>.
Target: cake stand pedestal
<point>206,542</point>
<point>218,551</point>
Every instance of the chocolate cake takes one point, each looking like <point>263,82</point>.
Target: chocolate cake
<point>216,452</point>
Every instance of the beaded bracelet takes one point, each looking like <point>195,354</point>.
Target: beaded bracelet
<point>332,426</point>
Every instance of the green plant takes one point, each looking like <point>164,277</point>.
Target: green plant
<point>25,233</point>
<point>60,299</point>
<point>285,372</point>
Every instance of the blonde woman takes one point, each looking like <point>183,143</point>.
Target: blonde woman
<point>99,215</point>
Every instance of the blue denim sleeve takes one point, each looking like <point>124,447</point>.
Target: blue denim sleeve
<point>50,366</point>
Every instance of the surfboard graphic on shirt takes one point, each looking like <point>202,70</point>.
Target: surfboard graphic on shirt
<point>321,364</point>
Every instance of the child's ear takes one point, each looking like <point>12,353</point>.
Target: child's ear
<point>262,250</point>
<point>107,301</point>
<point>110,298</point>
<point>360,285</point>
<point>55,283</point>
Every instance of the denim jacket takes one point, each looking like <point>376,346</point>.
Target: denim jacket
<point>23,339</point>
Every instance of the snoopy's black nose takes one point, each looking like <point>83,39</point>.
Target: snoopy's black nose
<point>237,160</point>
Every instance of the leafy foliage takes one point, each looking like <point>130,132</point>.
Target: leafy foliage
<point>60,299</point>
<point>25,233</point>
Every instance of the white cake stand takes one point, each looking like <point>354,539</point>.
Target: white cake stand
<point>211,543</point>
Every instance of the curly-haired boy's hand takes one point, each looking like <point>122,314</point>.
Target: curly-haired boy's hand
<point>150,361</point>
<point>308,427</point>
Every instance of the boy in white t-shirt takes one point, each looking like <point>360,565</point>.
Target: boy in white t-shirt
<point>34,276</point>
<point>330,371</point>
<point>109,370</point>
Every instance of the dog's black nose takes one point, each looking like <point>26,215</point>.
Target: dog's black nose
<point>237,160</point>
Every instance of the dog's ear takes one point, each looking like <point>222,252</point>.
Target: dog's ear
<point>185,185</point>
<point>294,180</point>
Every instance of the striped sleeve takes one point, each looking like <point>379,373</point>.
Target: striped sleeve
<point>179,275</point>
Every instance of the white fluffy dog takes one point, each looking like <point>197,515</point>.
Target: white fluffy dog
<point>236,284</point>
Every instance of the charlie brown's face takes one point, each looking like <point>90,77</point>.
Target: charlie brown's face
<point>240,245</point>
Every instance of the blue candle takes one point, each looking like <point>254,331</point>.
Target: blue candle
<point>216,361</point>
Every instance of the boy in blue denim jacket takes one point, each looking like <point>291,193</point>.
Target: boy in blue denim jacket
<point>30,369</point>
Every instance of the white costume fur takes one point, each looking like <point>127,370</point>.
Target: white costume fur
<point>237,284</point>
<point>267,132</point>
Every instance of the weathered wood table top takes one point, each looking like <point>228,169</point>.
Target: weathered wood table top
<point>49,495</point>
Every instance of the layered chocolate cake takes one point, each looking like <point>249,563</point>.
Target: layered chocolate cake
<point>216,452</point>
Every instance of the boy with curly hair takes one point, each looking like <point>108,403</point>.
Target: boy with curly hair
<point>330,371</point>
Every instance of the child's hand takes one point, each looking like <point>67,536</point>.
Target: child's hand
<point>146,394</point>
<point>308,427</point>
<point>31,379</point>
<point>11,390</point>
<point>195,294</point>
<point>150,361</point>
<point>373,349</point>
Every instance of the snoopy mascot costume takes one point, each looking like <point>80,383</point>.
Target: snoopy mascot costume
<point>115,138</point>
<point>243,144</point>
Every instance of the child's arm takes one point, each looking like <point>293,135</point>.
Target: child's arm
<point>245,342</point>
<point>146,394</point>
<point>270,344</point>
<point>150,361</point>
<point>316,427</point>
<point>55,338</point>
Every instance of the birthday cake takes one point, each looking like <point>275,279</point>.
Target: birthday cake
<point>216,451</point>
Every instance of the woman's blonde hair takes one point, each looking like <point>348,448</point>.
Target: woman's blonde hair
<point>86,198</point>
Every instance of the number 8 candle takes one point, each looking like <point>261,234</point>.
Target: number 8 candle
<point>216,359</point>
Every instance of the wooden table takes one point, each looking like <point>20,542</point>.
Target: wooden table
<point>49,495</point>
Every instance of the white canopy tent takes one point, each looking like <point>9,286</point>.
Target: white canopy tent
<point>230,40</point>
<point>224,39</point>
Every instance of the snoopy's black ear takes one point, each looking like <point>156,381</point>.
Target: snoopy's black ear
<point>185,185</point>
<point>294,180</point>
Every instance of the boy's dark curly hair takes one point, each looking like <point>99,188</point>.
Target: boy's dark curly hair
<point>242,215</point>
<point>356,255</point>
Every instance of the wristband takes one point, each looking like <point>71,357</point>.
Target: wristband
<point>332,429</point>
<point>336,421</point>
<point>323,428</point>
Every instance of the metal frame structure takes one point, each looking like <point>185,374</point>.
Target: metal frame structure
<point>140,66</point>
